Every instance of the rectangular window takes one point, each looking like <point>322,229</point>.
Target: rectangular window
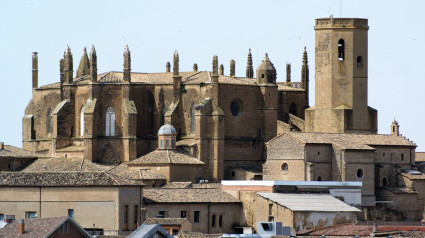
<point>183,214</point>
<point>402,156</point>
<point>136,215</point>
<point>173,143</point>
<point>196,216</point>
<point>271,219</point>
<point>29,215</point>
<point>71,213</point>
<point>125,217</point>
<point>1,217</point>
<point>161,214</point>
<point>175,232</point>
<point>270,209</point>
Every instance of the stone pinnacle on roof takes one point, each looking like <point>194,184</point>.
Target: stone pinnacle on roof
<point>249,67</point>
<point>93,50</point>
<point>84,67</point>
<point>167,67</point>
<point>93,64</point>
<point>232,68</point>
<point>67,50</point>
<point>305,59</point>
<point>195,67</point>
<point>215,65</point>
<point>176,63</point>
<point>126,48</point>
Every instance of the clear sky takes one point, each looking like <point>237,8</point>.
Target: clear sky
<point>200,29</point>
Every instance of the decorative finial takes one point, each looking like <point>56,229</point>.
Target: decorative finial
<point>221,69</point>
<point>67,50</point>
<point>84,50</point>
<point>126,48</point>
<point>93,50</point>
<point>249,67</point>
<point>288,72</point>
<point>167,67</point>
<point>305,58</point>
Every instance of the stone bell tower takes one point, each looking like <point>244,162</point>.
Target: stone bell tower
<point>341,78</point>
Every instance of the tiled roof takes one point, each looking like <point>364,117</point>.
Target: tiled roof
<point>198,235</point>
<point>10,151</point>
<point>57,179</point>
<point>349,141</point>
<point>82,165</point>
<point>187,195</point>
<point>178,185</point>
<point>165,221</point>
<point>37,227</point>
<point>167,78</point>
<point>166,157</point>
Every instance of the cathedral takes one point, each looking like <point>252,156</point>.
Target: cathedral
<point>114,117</point>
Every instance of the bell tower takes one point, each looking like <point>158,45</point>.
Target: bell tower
<point>341,78</point>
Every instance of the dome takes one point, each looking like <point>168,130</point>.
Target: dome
<point>167,129</point>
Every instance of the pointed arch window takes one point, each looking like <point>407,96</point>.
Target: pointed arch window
<point>49,121</point>
<point>82,122</point>
<point>110,122</point>
<point>192,119</point>
<point>341,50</point>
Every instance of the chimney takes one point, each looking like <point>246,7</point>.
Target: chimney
<point>21,226</point>
<point>1,145</point>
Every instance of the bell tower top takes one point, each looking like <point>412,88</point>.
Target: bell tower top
<point>326,23</point>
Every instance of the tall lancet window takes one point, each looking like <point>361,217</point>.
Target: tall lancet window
<point>110,122</point>
<point>192,119</point>
<point>49,121</point>
<point>82,122</point>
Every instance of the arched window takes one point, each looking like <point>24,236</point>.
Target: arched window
<point>192,119</point>
<point>213,220</point>
<point>82,122</point>
<point>49,121</point>
<point>293,109</point>
<point>220,221</point>
<point>359,62</point>
<point>385,182</point>
<point>110,122</point>
<point>341,49</point>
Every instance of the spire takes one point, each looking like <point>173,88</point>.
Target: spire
<point>288,72</point>
<point>167,67</point>
<point>68,66</point>
<point>232,68</point>
<point>221,69</point>
<point>305,78</point>
<point>249,68</point>
<point>127,65</point>
<point>176,63</point>
<point>93,64</point>
<point>215,65</point>
<point>84,67</point>
<point>34,70</point>
<point>195,67</point>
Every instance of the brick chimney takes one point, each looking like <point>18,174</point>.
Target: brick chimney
<point>1,145</point>
<point>21,226</point>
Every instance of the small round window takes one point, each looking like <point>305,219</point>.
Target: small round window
<point>284,167</point>
<point>359,173</point>
<point>235,108</point>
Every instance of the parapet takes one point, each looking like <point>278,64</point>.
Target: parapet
<point>327,23</point>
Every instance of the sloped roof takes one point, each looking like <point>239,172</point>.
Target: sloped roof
<point>58,179</point>
<point>11,151</point>
<point>187,195</point>
<point>178,185</point>
<point>166,157</point>
<point>39,227</point>
<point>148,230</point>
<point>165,221</point>
<point>349,141</point>
<point>188,78</point>
<point>309,202</point>
<point>81,165</point>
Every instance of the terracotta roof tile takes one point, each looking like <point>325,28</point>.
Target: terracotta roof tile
<point>10,151</point>
<point>53,179</point>
<point>34,228</point>
<point>187,195</point>
<point>165,221</point>
<point>166,157</point>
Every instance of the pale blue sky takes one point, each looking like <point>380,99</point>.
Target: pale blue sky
<point>200,29</point>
